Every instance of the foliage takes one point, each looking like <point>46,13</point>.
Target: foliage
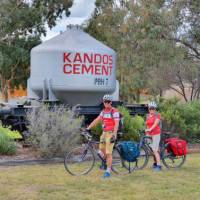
<point>53,130</point>
<point>21,25</point>
<point>9,133</point>
<point>191,115</point>
<point>97,130</point>
<point>157,44</point>
<point>7,144</point>
<point>181,118</point>
<point>131,125</point>
<point>171,115</point>
<point>14,69</point>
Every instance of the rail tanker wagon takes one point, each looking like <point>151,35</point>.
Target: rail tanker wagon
<point>73,68</point>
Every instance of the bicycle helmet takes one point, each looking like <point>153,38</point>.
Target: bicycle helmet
<point>107,97</point>
<point>152,104</point>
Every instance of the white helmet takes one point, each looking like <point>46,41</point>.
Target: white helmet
<point>107,97</point>
<point>152,104</point>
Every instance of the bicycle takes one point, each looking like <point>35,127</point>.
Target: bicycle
<point>81,160</point>
<point>168,158</point>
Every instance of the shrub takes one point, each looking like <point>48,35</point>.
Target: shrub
<point>10,133</point>
<point>132,125</point>
<point>172,119</point>
<point>7,144</point>
<point>53,131</point>
<point>191,115</point>
<point>181,118</point>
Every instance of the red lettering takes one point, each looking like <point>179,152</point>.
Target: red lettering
<point>111,60</point>
<point>87,70</point>
<point>110,67</point>
<point>77,58</point>
<point>88,58</point>
<point>105,59</point>
<point>66,68</point>
<point>76,69</point>
<point>97,69</point>
<point>66,57</point>
<point>87,63</point>
<point>97,58</point>
<point>104,70</point>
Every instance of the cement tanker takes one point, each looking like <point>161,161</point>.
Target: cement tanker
<point>73,68</point>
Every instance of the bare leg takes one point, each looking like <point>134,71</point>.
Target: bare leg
<point>154,159</point>
<point>157,157</point>
<point>109,160</point>
<point>104,152</point>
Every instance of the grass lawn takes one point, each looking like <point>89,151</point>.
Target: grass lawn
<point>52,182</point>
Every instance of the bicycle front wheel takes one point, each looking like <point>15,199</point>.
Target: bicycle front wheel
<point>80,160</point>
<point>170,160</point>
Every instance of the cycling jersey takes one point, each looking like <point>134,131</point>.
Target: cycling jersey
<point>108,117</point>
<point>150,120</point>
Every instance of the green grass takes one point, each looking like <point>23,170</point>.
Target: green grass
<point>52,182</point>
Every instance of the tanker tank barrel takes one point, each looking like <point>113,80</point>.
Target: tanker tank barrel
<point>73,68</point>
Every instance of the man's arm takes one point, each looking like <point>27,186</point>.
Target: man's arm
<point>94,123</point>
<point>116,127</point>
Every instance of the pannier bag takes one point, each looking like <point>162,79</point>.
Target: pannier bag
<point>129,151</point>
<point>177,146</point>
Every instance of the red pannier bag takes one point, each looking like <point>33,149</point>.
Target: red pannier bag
<point>177,146</point>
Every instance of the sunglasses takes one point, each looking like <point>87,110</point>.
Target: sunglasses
<point>151,108</point>
<point>106,101</point>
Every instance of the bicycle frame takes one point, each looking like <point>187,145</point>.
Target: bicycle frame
<point>164,151</point>
<point>147,145</point>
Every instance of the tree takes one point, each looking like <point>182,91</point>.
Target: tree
<point>153,53</point>
<point>21,25</point>
<point>134,29</point>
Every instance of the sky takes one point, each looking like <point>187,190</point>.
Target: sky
<point>80,11</point>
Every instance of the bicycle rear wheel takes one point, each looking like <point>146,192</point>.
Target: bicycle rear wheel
<point>80,160</point>
<point>119,165</point>
<point>170,160</point>
<point>143,158</point>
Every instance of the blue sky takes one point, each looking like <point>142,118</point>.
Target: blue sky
<point>80,11</point>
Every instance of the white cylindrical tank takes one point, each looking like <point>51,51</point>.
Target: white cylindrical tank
<point>73,68</point>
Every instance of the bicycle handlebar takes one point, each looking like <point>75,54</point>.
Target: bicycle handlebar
<point>86,134</point>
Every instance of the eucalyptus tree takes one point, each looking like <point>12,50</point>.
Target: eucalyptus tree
<point>156,42</point>
<point>21,24</point>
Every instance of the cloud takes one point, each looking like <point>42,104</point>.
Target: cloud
<point>80,11</point>
<point>82,8</point>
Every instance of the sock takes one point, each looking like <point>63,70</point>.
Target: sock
<point>108,170</point>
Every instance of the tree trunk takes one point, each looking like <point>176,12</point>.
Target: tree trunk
<point>198,82</point>
<point>138,96</point>
<point>160,92</point>
<point>4,89</point>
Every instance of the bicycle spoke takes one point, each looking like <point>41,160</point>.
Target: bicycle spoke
<point>120,166</point>
<point>79,161</point>
<point>172,161</point>
<point>143,158</point>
